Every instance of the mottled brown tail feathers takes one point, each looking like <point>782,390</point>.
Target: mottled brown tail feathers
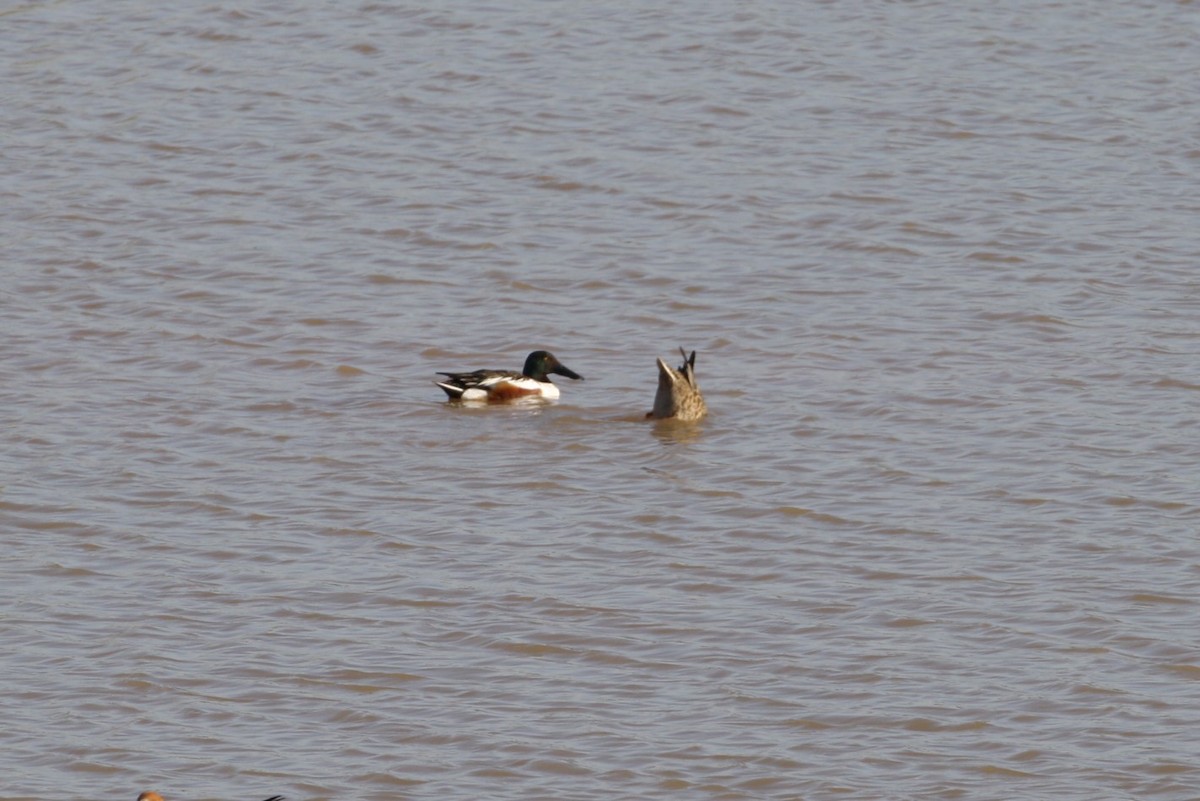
<point>678,395</point>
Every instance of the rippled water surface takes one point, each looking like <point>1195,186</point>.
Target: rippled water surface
<point>936,539</point>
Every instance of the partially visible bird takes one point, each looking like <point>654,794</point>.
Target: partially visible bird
<point>678,396</point>
<point>506,385</point>
<point>150,795</point>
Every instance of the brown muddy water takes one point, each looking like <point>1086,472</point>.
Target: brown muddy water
<point>937,537</point>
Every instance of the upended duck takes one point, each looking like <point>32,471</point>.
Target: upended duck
<point>678,396</point>
<point>506,385</point>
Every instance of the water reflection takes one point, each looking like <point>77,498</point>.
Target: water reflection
<point>678,432</point>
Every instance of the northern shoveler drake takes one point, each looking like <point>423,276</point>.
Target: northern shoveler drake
<point>505,385</point>
<point>678,395</point>
<point>150,795</point>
